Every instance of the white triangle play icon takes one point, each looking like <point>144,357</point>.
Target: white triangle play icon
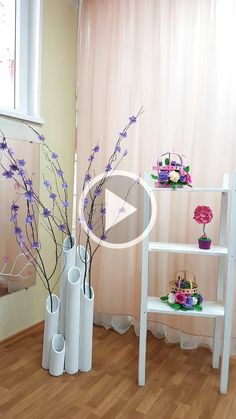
<point>116,209</point>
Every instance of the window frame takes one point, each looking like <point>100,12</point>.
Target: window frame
<point>27,62</point>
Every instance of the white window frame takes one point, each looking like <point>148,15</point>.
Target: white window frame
<point>28,63</point>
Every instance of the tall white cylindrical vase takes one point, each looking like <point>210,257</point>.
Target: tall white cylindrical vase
<point>68,260</point>
<point>72,320</point>
<point>57,356</point>
<point>82,259</point>
<point>50,327</point>
<point>86,328</point>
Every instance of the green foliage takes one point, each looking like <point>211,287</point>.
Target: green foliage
<point>175,306</point>
<point>197,307</point>
<point>154,176</point>
<point>167,161</point>
<point>186,169</point>
<point>164,298</point>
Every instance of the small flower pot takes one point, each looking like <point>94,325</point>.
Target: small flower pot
<point>204,244</point>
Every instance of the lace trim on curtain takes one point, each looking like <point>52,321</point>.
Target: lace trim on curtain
<point>122,324</point>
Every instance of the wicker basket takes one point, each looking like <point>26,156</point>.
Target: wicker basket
<point>172,171</point>
<point>170,161</point>
<point>185,282</point>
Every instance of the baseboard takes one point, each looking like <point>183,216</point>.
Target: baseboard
<point>29,331</point>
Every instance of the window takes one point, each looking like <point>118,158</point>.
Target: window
<point>19,58</point>
<point>7,53</point>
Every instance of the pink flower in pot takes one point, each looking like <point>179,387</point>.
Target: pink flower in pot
<point>203,215</point>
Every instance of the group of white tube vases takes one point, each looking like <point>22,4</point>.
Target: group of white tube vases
<point>68,329</point>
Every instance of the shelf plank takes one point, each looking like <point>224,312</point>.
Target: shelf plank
<point>188,189</point>
<point>186,248</point>
<point>209,309</point>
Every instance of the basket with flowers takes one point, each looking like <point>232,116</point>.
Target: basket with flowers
<point>184,292</point>
<point>172,171</point>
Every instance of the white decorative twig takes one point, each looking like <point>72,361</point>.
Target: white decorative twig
<point>21,274</point>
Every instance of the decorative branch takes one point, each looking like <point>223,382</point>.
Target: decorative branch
<point>96,212</point>
<point>12,272</point>
<point>53,214</point>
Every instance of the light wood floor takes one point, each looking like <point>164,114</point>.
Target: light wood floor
<point>180,384</point>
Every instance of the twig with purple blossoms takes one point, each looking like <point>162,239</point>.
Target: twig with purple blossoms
<point>95,214</point>
<point>53,216</point>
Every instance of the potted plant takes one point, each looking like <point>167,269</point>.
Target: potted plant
<point>203,215</point>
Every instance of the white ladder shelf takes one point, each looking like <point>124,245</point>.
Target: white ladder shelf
<point>221,309</point>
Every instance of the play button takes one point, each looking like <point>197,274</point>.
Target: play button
<point>117,209</point>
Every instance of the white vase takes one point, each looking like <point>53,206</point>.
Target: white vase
<point>80,260</point>
<point>57,355</point>
<point>68,260</point>
<point>73,291</point>
<point>86,328</point>
<point>50,327</point>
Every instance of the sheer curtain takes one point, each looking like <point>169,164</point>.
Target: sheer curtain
<point>177,59</point>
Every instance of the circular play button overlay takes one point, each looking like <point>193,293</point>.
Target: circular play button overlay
<point>117,210</point>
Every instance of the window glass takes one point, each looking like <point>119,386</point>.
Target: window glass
<point>7,53</point>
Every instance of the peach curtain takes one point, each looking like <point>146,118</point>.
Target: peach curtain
<point>176,58</point>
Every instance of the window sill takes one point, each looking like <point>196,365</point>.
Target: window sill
<point>22,117</point>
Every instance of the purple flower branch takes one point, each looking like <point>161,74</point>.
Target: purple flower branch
<point>109,169</point>
<point>27,236</point>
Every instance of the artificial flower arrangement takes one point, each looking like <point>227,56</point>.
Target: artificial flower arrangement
<point>172,171</point>
<point>203,215</point>
<point>52,212</point>
<point>184,293</point>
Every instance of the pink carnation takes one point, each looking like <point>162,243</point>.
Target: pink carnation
<point>203,214</point>
<point>180,297</point>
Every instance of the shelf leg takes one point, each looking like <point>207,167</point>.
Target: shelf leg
<point>229,289</point>
<point>143,317</point>
<point>216,343</point>
<point>144,296</point>
<point>218,321</point>
<point>225,360</point>
<point>227,327</point>
<point>142,349</point>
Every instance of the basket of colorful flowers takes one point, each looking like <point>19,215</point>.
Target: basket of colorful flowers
<point>184,293</point>
<point>172,171</point>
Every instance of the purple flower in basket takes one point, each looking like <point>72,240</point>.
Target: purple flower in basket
<point>188,303</point>
<point>180,283</point>
<point>163,176</point>
<point>182,178</point>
